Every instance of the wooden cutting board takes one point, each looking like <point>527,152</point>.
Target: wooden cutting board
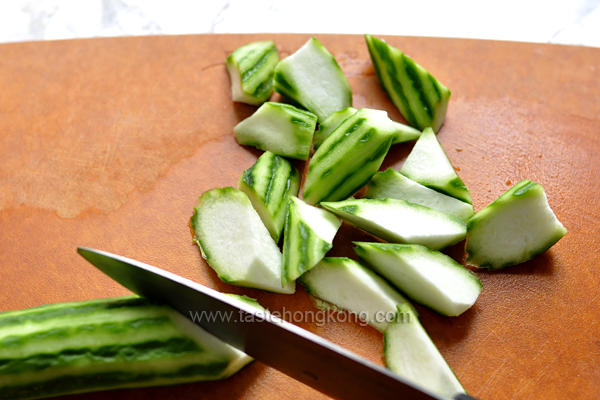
<point>108,143</point>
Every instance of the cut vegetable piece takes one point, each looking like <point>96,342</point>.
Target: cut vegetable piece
<point>399,221</point>
<point>280,128</point>
<point>409,352</point>
<point>312,78</point>
<point>514,228</point>
<point>309,233</point>
<point>248,300</point>
<point>420,98</point>
<point>330,124</point>
<point>348,285</point>
<point>269,183</point>
<point>106,344</point>
<point>251,69</point>
<point>428,277</point>
<point>429,165</point>
<point>349,157</point>
<point>394,185</point>
<point>402,133</point>
<point>235,242</point>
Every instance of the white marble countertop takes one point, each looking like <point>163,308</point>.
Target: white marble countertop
<point>573,22</point>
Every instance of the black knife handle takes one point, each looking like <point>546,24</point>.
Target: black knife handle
<point>462,396</point>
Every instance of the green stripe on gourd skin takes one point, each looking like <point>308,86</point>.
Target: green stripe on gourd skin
<point>429,165</point>
<point>54,334</point>
<point>415,79</point>
<point>275,166</point>
<point>125,312</point>
<point>420,98</point>
<point>106,344</point>
<point>378,154</point>
<point>399,221</point>
<point>264,86</point>
<point>72,384</point>
<point>367,135</point>
<point>312,78</point>
<point>250,72</point>
<point>248,300</point>
<point>344,163</point>
<point>308,236</point>
<point>39,314</point>
<point>269,184</point>
<point>403,133</point>
<point>392,184</point>
<point>329,125</point>
<point>251,69</point>
<point>409,351</point>
<point>346,131</point>
<point>348,209</point>
<point>428,277</point>
<point>388,76</point>
<point>280,128</point>
<point>284,87</point>
<point>302,263</point>
<point>235,242</point>
<point>157,349</point>
<point>302,123</point>
<point>513,229</point>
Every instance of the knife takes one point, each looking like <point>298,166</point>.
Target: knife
<point>292,350</point>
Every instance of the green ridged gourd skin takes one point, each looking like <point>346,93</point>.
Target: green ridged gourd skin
<point>248,300</point>
<point>428,277</point>
<point>349,157</point>
<point>429,165</point>
<point>409,351</point>
<point>392,184</point>
<point>421,99</point>
<point>251,69</point>
<point>513,229</point>
<point>399,221</point>
<point>328,126</point>
<point>312,78</point>
<point>309,233</point>
<point>280,128</point>
<point>125,342</point>
<point>403,133</point>
<point>269,184</point>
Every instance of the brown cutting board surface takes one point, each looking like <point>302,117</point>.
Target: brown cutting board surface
<point>108,143</point>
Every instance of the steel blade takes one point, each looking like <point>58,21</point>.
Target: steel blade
<point>294,351</point>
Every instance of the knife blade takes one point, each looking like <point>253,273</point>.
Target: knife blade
<point>292,350</point>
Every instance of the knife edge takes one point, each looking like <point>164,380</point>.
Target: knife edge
<point>292,350</point>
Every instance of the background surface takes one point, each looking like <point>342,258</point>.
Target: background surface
<point>575,22</point>
<point>107,143</point>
